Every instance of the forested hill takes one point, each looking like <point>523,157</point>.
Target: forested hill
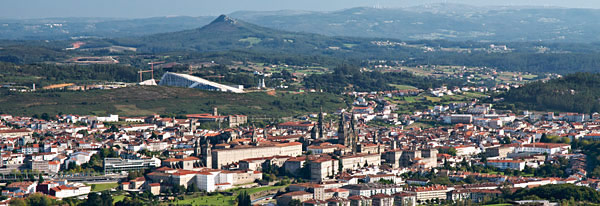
<point>578,92</point>
<point>225,33</point>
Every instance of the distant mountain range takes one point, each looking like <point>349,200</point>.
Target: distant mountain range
<point>442,21</point>
<point>438,21</point>
<point>230,34</point>
<point>65,28</point>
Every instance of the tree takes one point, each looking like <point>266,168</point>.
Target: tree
<point>38,200</point>
<point>107,199</point>
<point>17,202</point>
<point>295,202</point>
<point>178,189</point>
<point>192,188</point>
<point>112,128</point>
<point>446,164</point>
<point>470,179</point>
<point>545,138</point>
<point>305,170</point>
<point>243,199</point>
<point>41,178</point>
<point>93,199</point>
<point>45,116</point>
<point>129,202</point>
<point>506,140</point>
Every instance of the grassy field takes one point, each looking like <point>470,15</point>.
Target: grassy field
<point>147,100</point>
<point>402,87</point>
<point>258,189</point>
<point>419,125</point>
<point>220,199</point>
<point>251,40</point>
<point>118,198</point>
<point>207,200</point>
<point>103,186</point>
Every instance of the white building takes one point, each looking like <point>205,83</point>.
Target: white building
<point>70,190</point>
<point>466,150</point>
<point>458,118</point>
<point>110,118</point>
<point>216,180</point>
<point>78,158</point>
<point>189,81</point>
<point>547,148</point>
<point>507,164</point>
<point>118,164</point>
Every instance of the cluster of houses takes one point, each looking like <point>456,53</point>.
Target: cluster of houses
<point>344,160</point>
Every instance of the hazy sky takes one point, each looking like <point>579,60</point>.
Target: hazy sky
<point>150,8</point>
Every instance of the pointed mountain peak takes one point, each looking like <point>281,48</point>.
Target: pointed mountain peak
<point>224,19</point>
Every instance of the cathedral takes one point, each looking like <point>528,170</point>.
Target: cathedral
<point>318,132</point>
<point>348,134</point>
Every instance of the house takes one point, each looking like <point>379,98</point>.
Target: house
<point>78,158</point>
<point>285,199</point>
<point>507,164</point>
<point>154,188</point>
<point>70,190</point>
<point>545,148</point>
<point>21,187</point>
<point>405,199</point>
<point>369,189</point>
<point>429,192</point>
<point>358,200</point>
<point>314,202</point>
<point>382,200</point>
<point>302,126</point>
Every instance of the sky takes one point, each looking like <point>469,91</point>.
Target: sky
<point>27,9</point>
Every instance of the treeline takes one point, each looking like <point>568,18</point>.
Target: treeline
<point>349,78</point>
<point>50,73</point>
<point>558,192</point>
<point>27,52</point>
<point>564,194</point>
<point>45,74</point>
<point>592,150</point>
<point>562,63</point>
<point>577,92</point>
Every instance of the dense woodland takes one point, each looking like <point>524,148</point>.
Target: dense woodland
<point>559,192</point>
<point>579,92</point>
<point>348,78</point>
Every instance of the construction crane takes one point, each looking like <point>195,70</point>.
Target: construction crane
<point>151,69</point>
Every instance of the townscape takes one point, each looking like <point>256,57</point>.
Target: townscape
<point>469,152</point>
<point>481,103</point>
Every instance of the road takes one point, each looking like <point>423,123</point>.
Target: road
<point>262,198</point>
<point>73,178</point>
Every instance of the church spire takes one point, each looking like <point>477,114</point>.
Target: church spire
<point>353,134</point>
<point>342,130</point>
<point>254,137</point>
<point>320,124</point>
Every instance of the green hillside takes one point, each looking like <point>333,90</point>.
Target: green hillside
<point>579,92</point>
<point>146,100</point>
